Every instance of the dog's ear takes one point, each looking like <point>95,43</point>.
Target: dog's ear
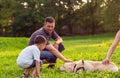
<point>83,62</point>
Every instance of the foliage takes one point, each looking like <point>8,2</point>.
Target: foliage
<point>77,48</point>
<point>28,19</point>
<point>7,8</point>
<point>72,16</point>
<point>91,14</point>
<point>111,15</point>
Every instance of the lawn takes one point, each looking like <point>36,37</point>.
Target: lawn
<point>93,47</point>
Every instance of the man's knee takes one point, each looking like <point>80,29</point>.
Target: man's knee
<point>48,56</point>
<point>61,47</point>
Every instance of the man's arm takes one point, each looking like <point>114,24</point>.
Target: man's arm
<point>57,42</point>
<point>53,50</point>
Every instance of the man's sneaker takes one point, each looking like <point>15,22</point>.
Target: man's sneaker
<point>50,66</point>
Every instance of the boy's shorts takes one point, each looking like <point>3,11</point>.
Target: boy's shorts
<point>34,64</point>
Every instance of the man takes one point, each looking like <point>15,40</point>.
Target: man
<point>113,46</point>
<point>51,52</point>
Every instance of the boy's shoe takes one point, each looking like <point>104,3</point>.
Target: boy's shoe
<point>24,75</point>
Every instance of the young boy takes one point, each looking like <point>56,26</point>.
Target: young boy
<point>30,57</point>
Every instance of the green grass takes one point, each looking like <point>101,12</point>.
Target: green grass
<point>77,48</point>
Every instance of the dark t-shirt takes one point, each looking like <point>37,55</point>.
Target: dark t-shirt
<point>42,31</point>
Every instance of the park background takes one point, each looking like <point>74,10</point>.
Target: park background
<point>73,17</point>
<point>88,28</point>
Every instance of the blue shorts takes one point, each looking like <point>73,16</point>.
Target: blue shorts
<point>34,64</point>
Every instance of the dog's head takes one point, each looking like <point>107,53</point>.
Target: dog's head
<point>73,66</point>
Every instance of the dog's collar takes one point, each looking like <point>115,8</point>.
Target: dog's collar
<point>78,68</point>
<point>74,68</point>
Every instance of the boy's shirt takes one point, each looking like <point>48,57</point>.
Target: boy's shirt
<point>26,57</point>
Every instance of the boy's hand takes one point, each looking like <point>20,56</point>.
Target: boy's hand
<point>38,76</point>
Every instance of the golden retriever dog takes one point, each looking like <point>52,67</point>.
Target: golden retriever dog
<point>88,65</point>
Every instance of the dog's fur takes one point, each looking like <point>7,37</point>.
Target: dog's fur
<point>88,65</point>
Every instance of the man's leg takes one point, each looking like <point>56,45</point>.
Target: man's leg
<point>61,47</point>
<point>47,57</point>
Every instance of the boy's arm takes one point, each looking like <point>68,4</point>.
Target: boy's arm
<point>38,69</point>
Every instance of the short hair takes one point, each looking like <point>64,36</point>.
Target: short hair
<point>49,19</point>
<point>39,39</point>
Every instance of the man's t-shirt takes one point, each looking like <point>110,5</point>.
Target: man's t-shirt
<point>26,57</point>
<point>42,31</point>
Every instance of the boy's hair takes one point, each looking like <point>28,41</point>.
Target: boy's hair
<point>49,19</point>
<point>39,39</point>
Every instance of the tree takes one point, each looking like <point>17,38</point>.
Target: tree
<point>33,15</point>
<point>76,15</point>
<point>7,9</point>
<point>91,14</point>
<point>28,19</point>
<point>111,15</point>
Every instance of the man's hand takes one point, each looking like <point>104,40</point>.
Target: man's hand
<point>58,40</point>
<point>106,61</point>
<point>68,60</point>
<point>56,45</point>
